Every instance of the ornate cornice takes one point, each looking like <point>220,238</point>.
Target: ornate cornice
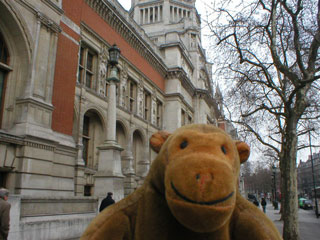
<point>183,51</point>
<point>48,23</point>
<point>25,141</point>
<point>53,6</point>
<point>205,94</point>
<point>179,73</point>
<point>36,102</point>
<point>45,20</point>
<point>181,97</point>
<point>116,20</point>
<point>9,138</point>
<point>39,145</point>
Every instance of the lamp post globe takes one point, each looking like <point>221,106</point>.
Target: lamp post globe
<point>114,53</point>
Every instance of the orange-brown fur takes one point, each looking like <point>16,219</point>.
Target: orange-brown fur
<point>191,192</point>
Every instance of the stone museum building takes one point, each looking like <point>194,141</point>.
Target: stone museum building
<point>71,129</point>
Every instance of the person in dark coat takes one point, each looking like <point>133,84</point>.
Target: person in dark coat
<point>106,201</point>
<point>4,214</point>
<point>263,204</point>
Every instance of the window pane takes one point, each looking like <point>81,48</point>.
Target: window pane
<point>85,143</point>
<point>159,113</point>
<point>88,79</point>
<point>87,190</point>
<point>85,139</point>
<point>89,61</point>
<point>81,56</point>
<point>80,75</point>
<point>86,121</point>
<point>131,105</point>
<point>131,89</point>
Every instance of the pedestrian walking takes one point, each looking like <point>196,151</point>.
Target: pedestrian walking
<point>263,204</point>
<point>106,201</point>
<point>4,214</point>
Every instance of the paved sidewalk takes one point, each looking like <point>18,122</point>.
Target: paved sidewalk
<point>309,224</point>
<point>275,216</point>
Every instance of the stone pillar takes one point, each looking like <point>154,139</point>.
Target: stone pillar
<point>127,167</point>
<point>144,164</point>
<point>142,16</point>
<point>111,113</point>
<point>109,177</point>
<point>148,15</point>
<point>129,180</point>
<point>79,180</point>
<point>166,17</point>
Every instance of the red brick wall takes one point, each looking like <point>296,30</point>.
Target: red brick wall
<point>67,61</point>
<point>96,23</point>
<point>64,83</point>
<point>72,9</point>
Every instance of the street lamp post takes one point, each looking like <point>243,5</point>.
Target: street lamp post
<point>314,183</point>
<point>114,53</point>
<point>109,177</point>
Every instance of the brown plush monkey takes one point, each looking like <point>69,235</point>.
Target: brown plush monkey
<point>191,192</point>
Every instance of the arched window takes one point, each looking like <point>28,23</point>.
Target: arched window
<point>4,60</point>
<point>92,137</point>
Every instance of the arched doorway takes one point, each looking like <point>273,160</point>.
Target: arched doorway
<point>121,137</point>
<point>15,64</point>
<point>92,137</point>
<point>137,149</point>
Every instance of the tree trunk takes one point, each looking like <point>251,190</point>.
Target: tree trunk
<point>289,183</point>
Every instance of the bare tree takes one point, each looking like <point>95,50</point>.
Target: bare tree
<point>258,179</point>
<point>267,51</point>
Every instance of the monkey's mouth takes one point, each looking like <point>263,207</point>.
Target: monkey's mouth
<point>201,203</point>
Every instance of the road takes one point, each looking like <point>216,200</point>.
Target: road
<point>309,224</point>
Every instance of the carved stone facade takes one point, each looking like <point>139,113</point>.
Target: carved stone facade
<point>54,101</point>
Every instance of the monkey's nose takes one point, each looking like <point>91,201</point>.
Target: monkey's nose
<point>203,178</point>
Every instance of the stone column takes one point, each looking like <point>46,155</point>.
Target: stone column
<point>109,177</point>
<point>159,14</point>
<point>166,17</point>
<point>144,163</point>
<point>147,15</point>
<point>111,113</point>
<point>127,167</point>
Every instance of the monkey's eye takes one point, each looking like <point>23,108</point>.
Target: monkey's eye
<point>184,144</point>
<point>223,149</point>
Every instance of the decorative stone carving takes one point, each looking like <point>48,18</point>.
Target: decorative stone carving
<point>140,98</point>
<point>154,108</point>
<point>103,70</point>
<point>203,80</point>
<point>193,41</point>
<point>123,85</point>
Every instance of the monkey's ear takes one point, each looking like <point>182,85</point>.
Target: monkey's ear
<point>157,140</point>
<point>243,150</point>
